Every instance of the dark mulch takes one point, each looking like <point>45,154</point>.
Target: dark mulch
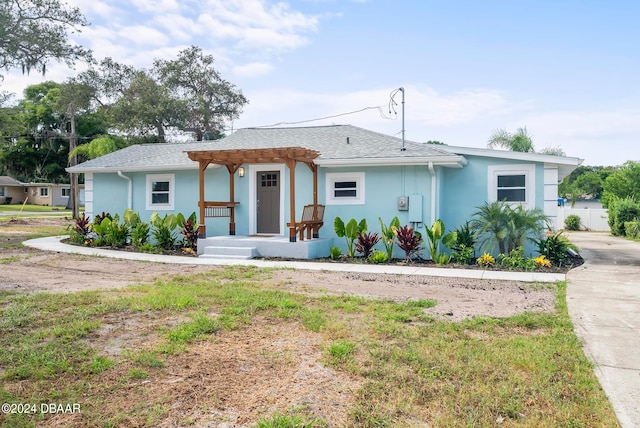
<point>571,262</point>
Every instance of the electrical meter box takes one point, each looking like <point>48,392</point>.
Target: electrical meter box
<point>403,203</point>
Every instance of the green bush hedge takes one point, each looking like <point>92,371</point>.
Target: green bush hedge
<point>572,222</point>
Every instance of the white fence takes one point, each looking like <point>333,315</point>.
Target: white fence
<point>590,218</point>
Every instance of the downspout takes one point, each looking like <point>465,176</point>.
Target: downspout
<point>433,192</point>
<point>129,190</point>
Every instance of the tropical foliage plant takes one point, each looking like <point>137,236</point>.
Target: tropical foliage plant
<point>408,240</point>
<point>387,235</point>
<point>80,230</point>
<point>555,246</point>
<point>188,230</point>
<point>499,224</point>
<point>350,232</point>
<point>365,243</point>
<point>486,260</point>
<point>378,257</point>
<point>164,230</point>
<point>335,252</point>
<point>438,238</point>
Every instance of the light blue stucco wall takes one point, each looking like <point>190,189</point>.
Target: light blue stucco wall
<point>383,186</point>
<point>464,190</point>
<point>459,191</point>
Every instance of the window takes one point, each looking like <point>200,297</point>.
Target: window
<point>65,192</point>
<point>345,188</point>
<point>3,191</point>
<point>512,183</point>
<point>512,188</point>
<point>44,192</point>
<point>160,191</point>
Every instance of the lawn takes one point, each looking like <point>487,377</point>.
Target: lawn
<point>403,367</point>
<point>224,347</point>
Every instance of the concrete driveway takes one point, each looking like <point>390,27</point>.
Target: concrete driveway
<point>603,297</point>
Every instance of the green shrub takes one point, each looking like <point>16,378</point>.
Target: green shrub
<point>140,234</point>
<point>335,252</point>
<point>378,257</point>
<point>621,211</point>
<point>516,260</point>
<point>554,247</point>
<point>149,248</point>
<point>632,229</point>
<point>164,230</point>
<point>462,254</point>
<point>111,231</point>
<point>572,222</point>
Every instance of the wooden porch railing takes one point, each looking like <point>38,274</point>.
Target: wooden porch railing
<point>220,210</point>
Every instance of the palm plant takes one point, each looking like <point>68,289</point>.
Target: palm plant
<point>508,227</point>
<point>524,224</point>
<point>519,142</point>
<point>491,224</point>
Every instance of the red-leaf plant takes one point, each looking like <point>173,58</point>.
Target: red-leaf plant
<point>409,241</point>
<point>365,243</point>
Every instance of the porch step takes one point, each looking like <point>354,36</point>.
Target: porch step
<point>216,252</point>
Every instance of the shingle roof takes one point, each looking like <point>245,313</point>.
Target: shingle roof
<point>5,180</point>
<point>337,142</point>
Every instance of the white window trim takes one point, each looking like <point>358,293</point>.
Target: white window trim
<point>3,191</point>
<point>333,177</point>
<point>529,172</point>
<point>62,189</point>
<point>172,191</point>
<point>44,190</point>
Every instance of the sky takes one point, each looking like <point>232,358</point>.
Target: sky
<point>567,70</point>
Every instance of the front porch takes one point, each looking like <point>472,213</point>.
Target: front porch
<point>247,247</point>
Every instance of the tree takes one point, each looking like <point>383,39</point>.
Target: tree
<point>34,31</point>
<point>146,106</point>
<point>519,142</point>
<point>209,99</point>
<point>585,182</point>
<point>97,147</point>
<point>36,139</point>
<point>623,183</point>
<point>552,151</point>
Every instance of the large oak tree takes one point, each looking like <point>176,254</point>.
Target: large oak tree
<point>32,32</point>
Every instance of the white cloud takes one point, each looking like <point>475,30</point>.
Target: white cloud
<point>253,69</point>
<point>143,36</point>
<point>253,24</point>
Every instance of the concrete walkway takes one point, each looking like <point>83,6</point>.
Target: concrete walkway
<point>53,244</point>
<point>603,297</point>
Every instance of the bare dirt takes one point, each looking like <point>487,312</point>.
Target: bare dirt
<point>245,374</point>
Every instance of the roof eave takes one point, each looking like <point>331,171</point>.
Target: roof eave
<point>108,169</point>
<point>507,154</point>
<point>446,161</point>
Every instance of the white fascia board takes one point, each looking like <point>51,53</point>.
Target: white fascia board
<point>447,161</point>
<point>507,154</point>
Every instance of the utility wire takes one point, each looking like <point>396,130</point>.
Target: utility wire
<point>379,108</point>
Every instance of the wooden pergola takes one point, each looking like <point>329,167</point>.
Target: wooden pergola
<point>233,159</point>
